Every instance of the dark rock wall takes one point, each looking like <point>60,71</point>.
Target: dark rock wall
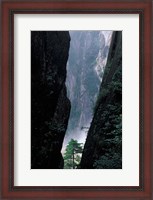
<point>50,106</point>
<point>103,147</point>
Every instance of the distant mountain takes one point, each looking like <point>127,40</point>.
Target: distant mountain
<point>87,59</point>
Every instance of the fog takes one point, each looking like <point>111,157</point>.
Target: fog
<point>87,59</point>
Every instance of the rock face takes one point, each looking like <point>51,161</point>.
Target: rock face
<point>105,40</point>
<point>87,58</point>
<point>103,147</point>
<point>50,106</point>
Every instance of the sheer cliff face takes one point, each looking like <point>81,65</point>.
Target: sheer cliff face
<point>50,106</point>
<point>103,147</point>
<point>104,40</point>
<point>82,78</point>
<point>88,55</point>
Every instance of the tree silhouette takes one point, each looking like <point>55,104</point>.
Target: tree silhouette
<point>72,155</point>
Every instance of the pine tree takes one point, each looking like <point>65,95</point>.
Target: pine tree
<point>72,155</point>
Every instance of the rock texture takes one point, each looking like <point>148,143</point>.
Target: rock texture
<point>104,40</point>
<point>103,147</point>
<point>50,106</point>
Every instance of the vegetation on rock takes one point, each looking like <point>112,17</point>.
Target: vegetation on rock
<point>103,147</point>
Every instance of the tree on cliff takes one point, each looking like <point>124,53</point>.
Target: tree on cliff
<point>72,155</point>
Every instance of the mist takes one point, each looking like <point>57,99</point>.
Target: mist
<point>85,68</point>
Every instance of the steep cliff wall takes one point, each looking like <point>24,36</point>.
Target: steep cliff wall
<point>87,59</point>
<point>103,147</point>
<point>50,106</point>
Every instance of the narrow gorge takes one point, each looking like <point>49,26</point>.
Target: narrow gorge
<point>87,59</point>
<point>76,99</point>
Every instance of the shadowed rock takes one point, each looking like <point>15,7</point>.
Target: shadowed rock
<point>103,147</point>
<point>50,106</point>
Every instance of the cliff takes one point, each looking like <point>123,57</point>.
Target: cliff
<point>87,58</point>
<point>50,106</point>
<point>103,146</point>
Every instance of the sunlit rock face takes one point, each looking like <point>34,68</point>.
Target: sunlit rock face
<point>103,147</point>
<point>105,40</point>
<point>50,106</point>
<point>86,63</point>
